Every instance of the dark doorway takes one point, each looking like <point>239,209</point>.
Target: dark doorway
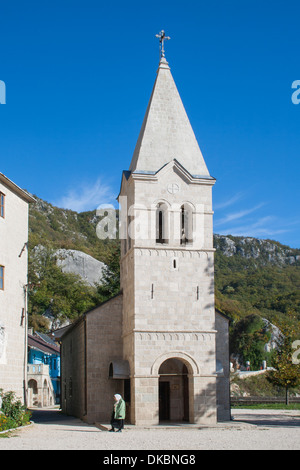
<point>185,396</point>
<point>127,397</point>
<point>173,391</point>
<point>164,401</point>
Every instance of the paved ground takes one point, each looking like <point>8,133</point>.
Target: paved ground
<point>250,429</point>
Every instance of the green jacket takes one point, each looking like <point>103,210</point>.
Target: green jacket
<point>120,409</point>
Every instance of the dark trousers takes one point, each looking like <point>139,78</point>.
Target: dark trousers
<point>116,423</point>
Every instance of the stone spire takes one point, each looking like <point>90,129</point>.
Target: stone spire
<point>166,132</point>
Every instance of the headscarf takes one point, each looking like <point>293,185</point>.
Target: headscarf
<point>118,397</point>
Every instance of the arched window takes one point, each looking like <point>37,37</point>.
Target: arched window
<point>186,221</point>
<point>161,223</point>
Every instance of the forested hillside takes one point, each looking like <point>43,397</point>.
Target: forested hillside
<point>251,276</point>
<point>55,295</point>
<point>61,228</point>
<point>257,276</point>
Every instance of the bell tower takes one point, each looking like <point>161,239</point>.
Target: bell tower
<point>167,266</point>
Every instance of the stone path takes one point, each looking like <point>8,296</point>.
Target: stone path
<point>250,429</point>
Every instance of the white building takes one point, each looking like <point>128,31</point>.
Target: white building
<point>13,286</point>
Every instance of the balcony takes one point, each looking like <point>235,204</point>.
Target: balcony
<point>38,369</point>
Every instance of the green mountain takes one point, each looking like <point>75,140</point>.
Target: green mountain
<point>257,276</point>
<point>63,228</point>
<point>252,276</point>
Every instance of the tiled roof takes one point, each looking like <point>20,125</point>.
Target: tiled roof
<point>37,342</point>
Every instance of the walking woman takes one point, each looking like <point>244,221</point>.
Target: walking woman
<point>118,414</point>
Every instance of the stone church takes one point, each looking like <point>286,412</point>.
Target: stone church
<point>160,343</point>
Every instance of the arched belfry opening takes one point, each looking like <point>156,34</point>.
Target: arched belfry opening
<point>186,224</point>
<point>161,223</point>
<point>173,391</point>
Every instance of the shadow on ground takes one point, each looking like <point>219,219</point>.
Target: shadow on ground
<point>268,420</point>
<point>53,416</point>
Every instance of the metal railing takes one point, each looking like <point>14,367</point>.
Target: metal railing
<point>261,400</point>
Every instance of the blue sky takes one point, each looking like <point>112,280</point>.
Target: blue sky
<point>79,75</point>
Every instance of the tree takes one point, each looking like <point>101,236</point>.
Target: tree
<point>248,340</point>
<point>110,282</point>
<point>286,373</point>
<point>65,296</point>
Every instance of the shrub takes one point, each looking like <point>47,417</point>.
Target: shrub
<point>14,414</point>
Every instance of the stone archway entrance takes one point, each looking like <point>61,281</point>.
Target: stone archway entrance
<point>32,393</point>
<point>173,391</point>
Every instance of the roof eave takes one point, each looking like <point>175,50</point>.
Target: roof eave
<point>16,189</point>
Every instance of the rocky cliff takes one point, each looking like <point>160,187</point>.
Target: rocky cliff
<point>263,251</point>
<point>77,262</point>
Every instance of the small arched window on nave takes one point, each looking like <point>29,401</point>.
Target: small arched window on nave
<point>186,224</point>
<point>161,223</point>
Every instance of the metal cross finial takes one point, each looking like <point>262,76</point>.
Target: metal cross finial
<point>162,37</point>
